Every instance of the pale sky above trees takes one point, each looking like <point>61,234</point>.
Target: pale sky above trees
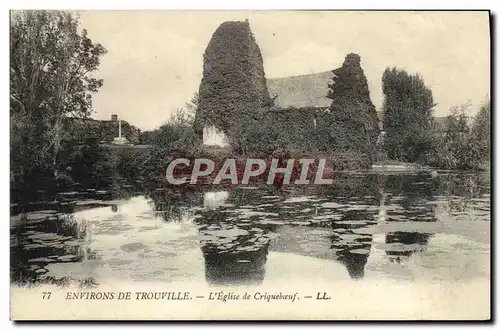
<point>155,58</point>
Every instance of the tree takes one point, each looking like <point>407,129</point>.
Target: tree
<point>191,106</point>
<point>452,147</point>
<point>460,145</point>
<point>481,133</point>
<point>408,115</point>
<point>50,66</point>
<point>353,122</point>
<point>177,130</point>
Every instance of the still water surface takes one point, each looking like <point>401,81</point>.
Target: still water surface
<point>404,227</point>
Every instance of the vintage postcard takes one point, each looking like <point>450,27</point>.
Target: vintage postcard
<point>250,165</point>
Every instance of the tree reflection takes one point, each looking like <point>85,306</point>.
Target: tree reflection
<point>352,249</point>
<point>173,204</point>
<point>411,194</point>
<point>234,246</point>
<point>38,240</point>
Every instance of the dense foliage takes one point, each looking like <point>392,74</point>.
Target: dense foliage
<point>353,121</point>
<point>408,118</point>
<point>178,132</point>
<point>51,65</point>
<point>78,130</point>
<point>481,133</point>
<point>414,135</point>
<point>462,143</point>
<point>233,88</point>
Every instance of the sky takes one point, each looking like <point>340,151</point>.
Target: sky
<point>154,62</point>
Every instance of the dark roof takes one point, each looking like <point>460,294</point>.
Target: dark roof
<point>304,91</point>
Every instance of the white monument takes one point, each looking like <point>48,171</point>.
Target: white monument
<point>120,140</point>
<point>214,137</point>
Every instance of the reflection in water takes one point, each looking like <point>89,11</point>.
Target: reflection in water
<point>415,199</point>
<point>41,239</point>
<point>234,247</point>
<point>352,249</point>
<point>239,259</point>
<point>404,244</point>
<point>237,267</point>
<point>215,199</point>
<point>173,204</point>
<point>360,211</point>
<point>364,221</point>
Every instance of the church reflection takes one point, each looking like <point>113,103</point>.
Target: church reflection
<point>352,246</point>
<point>352,249</point>
<point>234,247</point>
<point>236,236</point>
<point>242,262</point>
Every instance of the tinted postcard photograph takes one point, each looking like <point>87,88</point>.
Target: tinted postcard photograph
<point>250,165</point>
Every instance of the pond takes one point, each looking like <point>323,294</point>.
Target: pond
<point>400,226</point>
